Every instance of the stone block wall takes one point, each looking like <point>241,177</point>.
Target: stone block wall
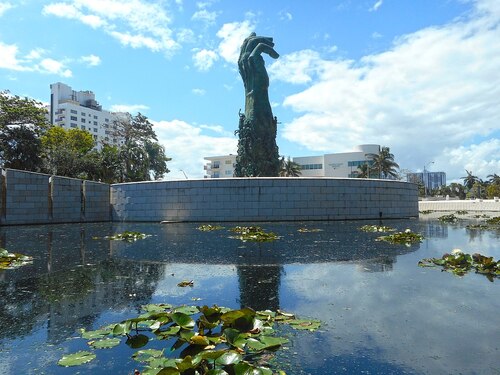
<point>96,201</point>
<point>26,197</point>
<point>66,199</point>
<point>263,199</point>
<point>35,198</point>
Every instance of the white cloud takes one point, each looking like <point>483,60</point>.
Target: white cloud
<point>133,23</point>
<point>52,66</point>
<point>205,16</point>
<point>91,60</point>
<point>187,146</point>
<point>434,90</point>
<point>130,108</point>
<point>4,7</point>
<point>199,92</point>
<point>285,15</point>
<point>296,67</point>
<point>376,6</point>
<point>204,59</point>
<point>9,58</point>
<point>232,35</point>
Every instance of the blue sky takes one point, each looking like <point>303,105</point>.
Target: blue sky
<point>421,77</point>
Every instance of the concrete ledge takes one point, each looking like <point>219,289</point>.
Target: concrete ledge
<point>491,205</point>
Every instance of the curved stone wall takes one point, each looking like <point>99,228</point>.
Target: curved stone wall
<point>263,199</point>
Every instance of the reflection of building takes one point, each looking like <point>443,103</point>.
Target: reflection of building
<point>382,264</point>
<point>220,166</point>
<point>72,109</point>
<point>430,180</point>
<point>329,165</point>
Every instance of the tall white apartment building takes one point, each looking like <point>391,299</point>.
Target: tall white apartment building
<point>72,109</point>
<point>329,165</point>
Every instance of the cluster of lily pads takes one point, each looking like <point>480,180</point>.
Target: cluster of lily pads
<point>402,238</point>
<point>209,227</point>
<point>128,236</point>
<point>309,230</point>
<point>451,218</point>
<point>10,261</point>
<point>214,340</point>
<point>376,228</point>
<point>253,233</point>
<point>460,263</point>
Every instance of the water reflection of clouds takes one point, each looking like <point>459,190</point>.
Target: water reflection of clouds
<point>424,320</point>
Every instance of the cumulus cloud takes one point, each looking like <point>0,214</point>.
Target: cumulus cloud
<point>180,139</point>
<point>376,6</point>
<point>4,7</point>
<point>204,59</point>
<point>91,60</point>
<point>130,108</point>
<point>134,23</point>
<point>34,61</point>
<point>232,35</point>
<point>205,16</point>
<point>433,90</point>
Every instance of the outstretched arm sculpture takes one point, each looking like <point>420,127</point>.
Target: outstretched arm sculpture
<point>257,149</point>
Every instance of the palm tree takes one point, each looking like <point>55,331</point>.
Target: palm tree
<point>384,163</point>
<point>289,168</point>
<point>494,179</point>
<point>469,180</point>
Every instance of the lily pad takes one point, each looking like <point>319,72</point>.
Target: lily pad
<point>128,236</point>
<point>404,238</point>
<point>209,227</point>
<point>309,230</point>
<point>76,359</point>
<point>255,234</point>
<point>137,341</point>
<point>105,343</point>
<point>448,218</point>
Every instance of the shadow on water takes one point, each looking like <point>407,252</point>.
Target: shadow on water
<point>373,299</point>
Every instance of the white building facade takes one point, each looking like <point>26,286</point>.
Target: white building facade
<point>220,166</point>
<point>72,109</point>
<point>329,165</point>
<point>344,164</point>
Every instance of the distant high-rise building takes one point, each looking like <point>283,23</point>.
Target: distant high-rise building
<point>430,180</point>
<point>72,109</point>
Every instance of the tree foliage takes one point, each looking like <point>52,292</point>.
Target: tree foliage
<point>143,158</point>
<point>384,163</point>
<point>289,168</point>
<point>22,121</point>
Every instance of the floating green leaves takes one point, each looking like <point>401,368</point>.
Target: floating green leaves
<point>9,261</point>
<point>494,221</point>
<point>462,212</point>
<point>76,359</point>
<point>376,228</point>
<point>251,233</point>
<point>426,212</point>
<point>460,263</point>
<point>128,236</point>
<point>309,230</point>
<point>209,227</point>
<point>213,340</point>
<point>185,283</point>
<point>403,238</point>
<point>451,218</point>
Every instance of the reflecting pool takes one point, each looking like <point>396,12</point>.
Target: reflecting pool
<point>380,312</point>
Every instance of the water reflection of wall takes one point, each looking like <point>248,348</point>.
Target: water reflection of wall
<point>71,282</point>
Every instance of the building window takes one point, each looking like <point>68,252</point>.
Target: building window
<point>95,130</point>
<point>82,127</point>
<point>228,162</point>
<point>73,125</point>
<point>311,166</point>
<point>95,117</point>
<point>95,122</point>
<point>215,175</point>
<point>74,111</point>
<point>73,118</point>
<point>358,163</point>
<point>216,164</point>
<point>229,173</point>
<point>106,120</point>
<point>83,113</point>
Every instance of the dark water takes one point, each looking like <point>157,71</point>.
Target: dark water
<point>381,313</point>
